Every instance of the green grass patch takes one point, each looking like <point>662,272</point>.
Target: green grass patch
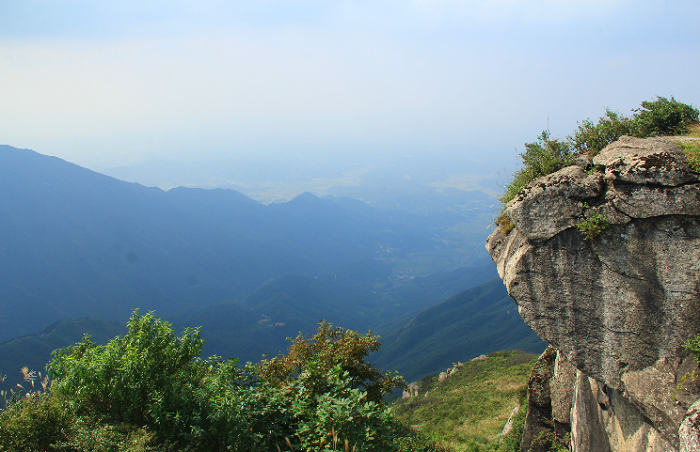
<point>505,224</point>
<point>468,410</point>
<point>692,150</point>
<point>693,131</point>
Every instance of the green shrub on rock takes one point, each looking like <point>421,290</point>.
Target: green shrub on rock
<point>663,117</point>
<point>591,138</point>
<point>592,226</point>
<point>546,156</point>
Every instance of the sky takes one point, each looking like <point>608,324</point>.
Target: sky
<point>110,83</point>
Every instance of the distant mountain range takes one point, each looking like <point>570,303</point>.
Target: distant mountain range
<point>75,244</point>
<point>476,321</point>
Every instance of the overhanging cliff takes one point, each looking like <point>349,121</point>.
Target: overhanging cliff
<point>603,264</point>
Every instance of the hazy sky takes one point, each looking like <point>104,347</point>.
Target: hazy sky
<point>106,83</point>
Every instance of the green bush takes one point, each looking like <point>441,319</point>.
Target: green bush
<point>693,345</point>
<point>147,377</point>
<point>326,413</point>
<point>663,117</point>
<point>331,347</point>
<point>331,394</point>
<point>149,391</point>
<point>592,226</point>
<point>592,138</point>
<point>545,156</point>
<point>34,423</point>
<point>86,434</point>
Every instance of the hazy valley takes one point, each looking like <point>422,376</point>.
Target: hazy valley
<point>80,245</point>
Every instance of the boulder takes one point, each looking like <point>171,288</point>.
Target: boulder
<point>645,161</point>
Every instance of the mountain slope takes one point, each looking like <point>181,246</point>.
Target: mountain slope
<point>285,306</point>
<point>479,320</point>
<point>470,408</point>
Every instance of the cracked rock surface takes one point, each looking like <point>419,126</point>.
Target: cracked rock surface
<point>619,305</point>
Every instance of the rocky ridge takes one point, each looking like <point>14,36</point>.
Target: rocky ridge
<point>616,301</point>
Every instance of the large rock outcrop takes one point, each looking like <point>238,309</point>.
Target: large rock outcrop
<point>618,305</point>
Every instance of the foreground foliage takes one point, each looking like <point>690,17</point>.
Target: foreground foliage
<point>149,391</point>
<point>545,156</point>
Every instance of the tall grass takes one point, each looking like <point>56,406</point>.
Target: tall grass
<point>469,409</point>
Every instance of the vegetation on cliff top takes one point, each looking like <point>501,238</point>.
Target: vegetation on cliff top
<point>545,156</point>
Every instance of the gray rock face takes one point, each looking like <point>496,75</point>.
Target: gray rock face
<point>628,429</point>
<point>690,430</point>
<point>618,306</point>
<point>567,189</point>
<point>601,419</point>
<point>587,431</point>
<point>538,424</point>
<point>562,387</point>
<point>645,161</point>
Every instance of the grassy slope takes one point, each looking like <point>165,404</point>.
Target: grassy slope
<point>473,405</point>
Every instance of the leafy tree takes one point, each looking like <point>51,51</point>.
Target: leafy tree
<point>328,348</point>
